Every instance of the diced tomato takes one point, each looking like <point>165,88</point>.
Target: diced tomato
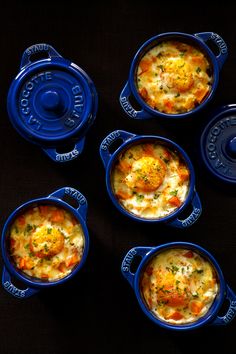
<point>188,254</point>
<point>183,173</point>
<point>44,210</point>
<point>72,260</point>
<point>148,149</point>
<point>44,276</point>
<point>57,215</point>
<point>144,65</point>
<point>61,267</point>
<point>122,194</point>
<point>22,263</point>
<point>21,220</point>
<point>12,243</point>
<point>143,92</point>
<point>149,271</point>
<point>124,166</point>
<point>175,316</point>
<point>174,201</point>
<point>150,301</point>
<point>196,306</point>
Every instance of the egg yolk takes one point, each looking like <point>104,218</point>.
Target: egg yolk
<point>147,174</point>
<point>46,242</point>
<point>178,74</point>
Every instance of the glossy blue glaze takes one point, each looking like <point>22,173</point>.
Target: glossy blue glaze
<point>52,102</point>
<point>218,144</point>
<point>199,40</point>
<point>33,285</point>
<point>211,317</point>
<point>127,139</point>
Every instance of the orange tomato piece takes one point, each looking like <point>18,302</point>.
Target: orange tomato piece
<point>44,276</point>
<point>143,92</point>
<point>148,149</point>
<point>12,243</point>
<point>149,271</point>
<point>124,166</point>
<point>21,220</point>
<point>188,254</point>
<point>72,260</point>
<point>57,215</point>
<point>175,316</point>
<point>122,194</point>
<point>44,210</point>
<point>22,263</point>
<point>196,307</point>
<point>144,65</point>
<point>183,173</point>
<point>174,201</point>
<point>201,93</point>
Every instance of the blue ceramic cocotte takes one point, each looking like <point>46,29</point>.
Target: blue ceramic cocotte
<point>211,317</point>
<point>218,144</point>
<point>33,285</point>
<point>52,102</point>
<point>128,139</point>
<point>199,40</point>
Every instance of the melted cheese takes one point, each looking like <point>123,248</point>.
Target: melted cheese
<point>179,286</point>
<point>46,242</point>
<point>174,77</point>
<point>150,181</point>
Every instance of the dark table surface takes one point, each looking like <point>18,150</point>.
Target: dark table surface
<point>97,312</point>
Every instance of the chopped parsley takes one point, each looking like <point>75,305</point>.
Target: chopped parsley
<point>177,282</point>
<point>198,70</point>
<point>45,247</point>
<point>182,53</point>
<point>199,271</point>
<point>28,228</point>
<point>31,254</point>
<point>16,229</point>
<point>49,230</point>
<point>177,95</point>
<point>139,197</point>
<point>174,269</point>
<point>166,160</point>
<point>156,195</point>
<point>27,246</point>
<point>174,193</point>
<point>161,67</point>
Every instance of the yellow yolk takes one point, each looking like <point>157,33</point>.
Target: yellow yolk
<point>179,74</point>
<point>147,174</point>
<point>46,242</point>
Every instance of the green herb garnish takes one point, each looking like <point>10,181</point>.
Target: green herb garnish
<point>49,230</point>
<point>139,197</point>
<point>174,193</point>
<point>198,70</point>
<point>27,246</point>
<point>177,95</point>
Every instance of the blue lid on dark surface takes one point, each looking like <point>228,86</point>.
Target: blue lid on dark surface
<point>218,144</point>
<point>51,100</point>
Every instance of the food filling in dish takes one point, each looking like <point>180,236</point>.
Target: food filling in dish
<point>150,180</point>
<point>46,242</point>
<point>179,286</point>
<point>174,77</point>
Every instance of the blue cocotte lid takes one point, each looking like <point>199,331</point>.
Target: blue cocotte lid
<point>52,102</point>
<point>218,144</point>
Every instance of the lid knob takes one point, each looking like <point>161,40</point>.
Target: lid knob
<point>231,147</point>
<point>50,100</point>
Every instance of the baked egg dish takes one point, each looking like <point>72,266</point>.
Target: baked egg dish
<point>46,242</point>
<point>150,180</point>
<point>179,286</point>
<point>174,77</point>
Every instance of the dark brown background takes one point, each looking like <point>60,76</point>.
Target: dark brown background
<point>97,311</point>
